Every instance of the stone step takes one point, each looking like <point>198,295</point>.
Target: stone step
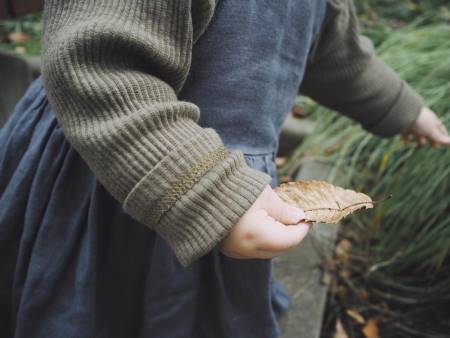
<point>300,273</point>
<point>293,132</point>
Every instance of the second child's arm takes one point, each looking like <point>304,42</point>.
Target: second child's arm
<point>344,74</point>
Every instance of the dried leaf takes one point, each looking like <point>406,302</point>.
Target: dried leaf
<point>357,317</point>
<point>17,37</point>
<point>322,201</point>
<point>280,161</point>
<point>362,294</point>
<point>342,249</point>
<point>299,112</point>
<point>285,179</point>
<point>20,50</point>
<point>370,330</point>
<point>330,282</point>
<point>339,331</point>
<point>327,279</point>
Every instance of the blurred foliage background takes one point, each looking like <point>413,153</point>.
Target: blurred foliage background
<point>22,35</point>
<point>390,273</point>
<point>379,18</point>
<point>392,265</point>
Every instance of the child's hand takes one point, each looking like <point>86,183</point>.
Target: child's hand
<point>269,228</point>
<point>428,127</point>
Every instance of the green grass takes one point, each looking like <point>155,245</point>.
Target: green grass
<point>380,18</point>
<point>400,253</point>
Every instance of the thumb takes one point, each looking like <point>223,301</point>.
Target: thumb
<point>440,138</point>
<point>282,211</point>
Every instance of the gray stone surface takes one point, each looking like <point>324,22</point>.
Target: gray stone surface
<point>299,270</point>
<point>16,73</point>
<point>293,132</point>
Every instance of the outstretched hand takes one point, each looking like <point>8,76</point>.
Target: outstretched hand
<point>428,127</point>
<point>269,228</point>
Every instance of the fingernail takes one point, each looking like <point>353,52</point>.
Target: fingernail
<point>298,214</point>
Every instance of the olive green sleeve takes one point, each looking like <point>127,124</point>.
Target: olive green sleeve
<point>344,74</point>
<point>112,71</point>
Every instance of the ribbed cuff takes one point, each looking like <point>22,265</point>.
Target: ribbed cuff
<point>195,195</point>
<point>204,216</point>
<point>401,115</point>
<point>173,176</point>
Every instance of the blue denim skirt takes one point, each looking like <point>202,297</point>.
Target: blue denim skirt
<point>73,264</point>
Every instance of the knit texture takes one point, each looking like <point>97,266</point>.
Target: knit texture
<point>344,74</point>
<point>112,71</point>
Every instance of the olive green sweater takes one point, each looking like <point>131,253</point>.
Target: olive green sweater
<point>112,70</point>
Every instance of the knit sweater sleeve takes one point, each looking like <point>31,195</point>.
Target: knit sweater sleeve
<point>112,70</point>
<point>344,74</point>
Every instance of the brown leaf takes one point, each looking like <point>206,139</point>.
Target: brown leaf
<point>342,249</point>
<point>357,317</point>
<point>17,37</point>
<point>330,282</point>
<point>339,331</point>
<point>327,279</point>
<point>299,112</point>
<point>321,201</point>
<point>20,50</point>
<point>285,179</point>
<point>280,161</point>
<point>362,294</point>
<point>370,330</point>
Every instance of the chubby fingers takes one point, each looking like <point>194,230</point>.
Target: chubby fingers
<point>439,136</point>
<point>258,235</point>
<point>266,230</point>
<point>428,127</point>
<point>278,238</point>
<point>280,210</point>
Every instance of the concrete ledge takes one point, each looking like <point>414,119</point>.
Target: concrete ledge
<point>293,132</point>
<point>299,270</point>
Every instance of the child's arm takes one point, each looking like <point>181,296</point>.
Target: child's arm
<point>345,75</point>
<point>112,70</point>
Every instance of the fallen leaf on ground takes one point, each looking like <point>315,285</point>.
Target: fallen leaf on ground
<point>357,317</point>
<point>342,249</point>
<point>17,37</point>
<point>339,331</point>
<point>20,50</point>
<point>280,161</point>
<point>330,282</point>
<point>327,279</point>
<point>321,201</point>
<point>299,112</point>
<point>363,294</point>
<point>370,330</point>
